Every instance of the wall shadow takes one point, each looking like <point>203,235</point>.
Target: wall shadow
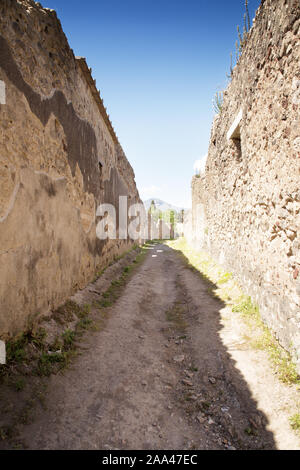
<point>227,397</point>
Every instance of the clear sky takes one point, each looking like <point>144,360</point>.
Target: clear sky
<point>158,65</point>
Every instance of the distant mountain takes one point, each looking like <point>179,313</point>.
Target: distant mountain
<point>161,205</point>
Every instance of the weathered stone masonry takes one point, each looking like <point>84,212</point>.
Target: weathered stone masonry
<point>248,201</point>
<point>59,158</point>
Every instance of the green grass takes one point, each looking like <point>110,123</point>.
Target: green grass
<point>53,363</point>
<point>116,287</point>
<point>224,278</point>
<point>68,338</point>
<point>98,274</point>
<point>250,431</point>
<point>246,307</point>
<point>84,323</point>
<point>84,311</point>
<point>5,433</point>
<point>48,363</point>
<point>281,359</point>
<point>19,384</point>
<point>57,344</point>
<point>265,341</point>
<point>15,349</point>
<point>218,102</point>
<point>295,422</point>
<point>40,361</point>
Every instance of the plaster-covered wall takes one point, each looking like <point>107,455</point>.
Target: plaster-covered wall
<point>54,131</point>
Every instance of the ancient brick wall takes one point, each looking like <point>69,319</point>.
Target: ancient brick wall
<point>59,159</point>
<point>250,194</point>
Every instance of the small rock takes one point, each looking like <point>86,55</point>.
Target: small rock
<point>231,448</point>
<point>212,380</point>
<point>193,397</point>
<point>144,383</point>
<point>189,374</point>
<point>179,358</point>
<point>295,273</point>
<point>211,421</point>
<point>200,418</point>
<point>54,352</point>
<point>187,382</point>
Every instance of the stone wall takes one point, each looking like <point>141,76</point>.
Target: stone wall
<point>246,208</point>
<point>59,158</point>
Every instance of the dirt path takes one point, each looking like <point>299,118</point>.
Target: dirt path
<point>158,376</point>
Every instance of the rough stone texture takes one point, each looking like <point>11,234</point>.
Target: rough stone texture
<point>54,132</point>
<point>246,208</point>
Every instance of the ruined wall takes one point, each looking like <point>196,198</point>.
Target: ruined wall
<point>250,193</point>
<point>54,132</point>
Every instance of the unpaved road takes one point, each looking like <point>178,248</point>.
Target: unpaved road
<point>158,376</point>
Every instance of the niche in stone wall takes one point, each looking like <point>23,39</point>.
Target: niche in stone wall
<point>234,135</point>
<point>237,146</point>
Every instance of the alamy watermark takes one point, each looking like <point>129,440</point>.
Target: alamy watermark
<point>134,222</point>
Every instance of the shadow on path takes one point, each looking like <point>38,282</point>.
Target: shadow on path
<point>226,402</point>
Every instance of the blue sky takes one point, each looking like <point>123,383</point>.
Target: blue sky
<point>158,65</point>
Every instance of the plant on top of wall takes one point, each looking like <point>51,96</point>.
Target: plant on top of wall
<point>239,46</point>
<point>242,38</point>
<point>218,101</point>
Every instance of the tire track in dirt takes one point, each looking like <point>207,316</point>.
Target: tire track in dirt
<point>156,377</point>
